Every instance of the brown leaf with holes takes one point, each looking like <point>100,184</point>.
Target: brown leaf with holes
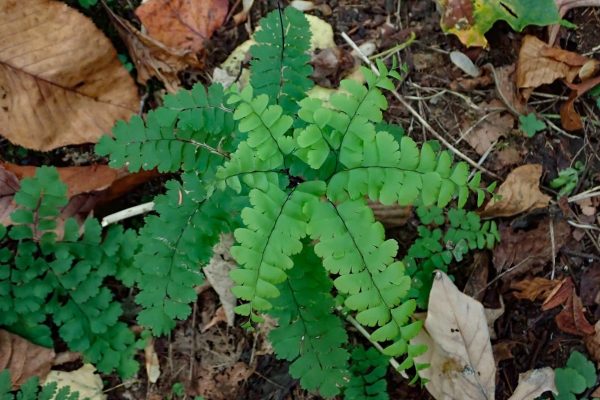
<point>521,251</point>
<point>182,24</point>
<point>519,193</point>
<point>533,289</point>
<point>61,82</point>
<point>151,57</point>
<point>23,359</point>
<point>541,64</point>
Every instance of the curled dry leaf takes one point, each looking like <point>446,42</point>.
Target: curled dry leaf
<point>182,24</point>
<point>571,318</point>
<point>569,117</point>
<point>217,274</point>
<point>540,64</point>
<point>23,359</point>
<point>151,57</point>
<point>504,77</point>
<point>519,193</point>
<point>459,350</point>
<point>83,380</point>
<point>527,251</point>
<point>152,364</point>
<point>533,383</point>
<point>61,82</point>
<point>533,289</point>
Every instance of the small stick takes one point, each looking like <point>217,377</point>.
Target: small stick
<point>127,213</point>
<point>416,114</point>
<point>553,249</point>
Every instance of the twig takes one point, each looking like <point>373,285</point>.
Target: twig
<point>552,242</point>
<point>127,213</point>
<point>367,336</point>
<point>593,192</point>
<point>416,114</point>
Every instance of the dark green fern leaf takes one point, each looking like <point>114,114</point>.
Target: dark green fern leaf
<point>191,131</point>
<point>280,66</point>
<point>368,369</point>
<point>31,390</point>
<point>175,244</point>
<point>309,334</point>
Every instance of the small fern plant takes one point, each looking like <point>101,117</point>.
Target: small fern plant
<point>31,390</point>
<point>290,176</point>
<point>44,277</point>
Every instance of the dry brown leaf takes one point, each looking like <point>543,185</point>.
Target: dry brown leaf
<point>592,343</point>
<point>507,157</point>
<point>459,350</point>
<point>527,251</point>
<point>182,24</point>
<point>491,315</point>
<point>23,359</point>
<point>541,64</point>
<point>152,364</point>
<point>519,193</point>
<point>589,286</point>
<point>61,82</point>
<point>83,380</point>
<point>572,318</point>
<point>507,89</point>
<point>559,295</point>
<point>151,57</point>
<point>478,279</point>
<point>533,383</point>
<point>533,289</point>
<point>218,317</point>
<point>596,393</point>
<point>569,117</point>
<point>222,384</point>
<point>488,131</point>
<point>503,350</point>
<point>217,274</point>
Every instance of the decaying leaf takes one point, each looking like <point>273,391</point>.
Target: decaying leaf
<point>151,57</point>
<point>540,64</point>
<point>182,24</point>
<point>478,278</point>
<point>491,315</point>
<point>83,380</point>
<point>504,77</point>
<point>470,20</point>
<point>481,136</point>
<point>533,289</point>
<point>459,349</point>
<point>533,383</point>
<point>9,185</point>
<point>571,318</point>
<point>152,364</point>
<point>23,359</point>
<point>589,286</point>
<point>569,117</point>
<point>61,82</point>
<point>503,350</point>
<point>222,384</point>
<point>217,274</point>
<point>527,251</point>
<point>519,193</point>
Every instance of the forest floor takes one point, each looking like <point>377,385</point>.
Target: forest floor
<point>203,356</point>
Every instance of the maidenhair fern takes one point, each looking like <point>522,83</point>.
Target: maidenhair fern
<point>368,375</point>
<point>291,176</point>
<point>62,278</point>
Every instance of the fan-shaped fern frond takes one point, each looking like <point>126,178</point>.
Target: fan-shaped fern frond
<point>174,245</point>
<point>280,67</point>
<point>353,246</point>
<point>309,334</point>
<point>275,223</point>
<point>191,131</point>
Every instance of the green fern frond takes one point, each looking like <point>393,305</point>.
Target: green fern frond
<point>435,249</point>
<point>191,131</point>
<point>280,66</point>
<point>174,245</point>
<point>353,246</point>
<point>309,334</point>
<point>64,278</point>
<point>275,225</point>
<point>368,369</point>
<point>30,390</point>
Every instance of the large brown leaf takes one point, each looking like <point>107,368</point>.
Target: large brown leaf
<point>182,24</point>
<point>518,193</point>
<point>23,359</point>
<point>61,82</point>
<point>153,58</point>
<point>459,349</point>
